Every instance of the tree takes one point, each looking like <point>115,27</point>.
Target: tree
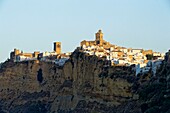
<point>40,76</point>
<point>149,56</point>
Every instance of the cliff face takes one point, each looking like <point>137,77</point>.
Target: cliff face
<point>154,95</point>
<point>84,84</point>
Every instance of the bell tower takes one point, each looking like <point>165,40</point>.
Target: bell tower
<point>99,38</point>
<point>57,47</point>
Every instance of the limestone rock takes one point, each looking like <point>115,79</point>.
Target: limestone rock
<point>83,84</point>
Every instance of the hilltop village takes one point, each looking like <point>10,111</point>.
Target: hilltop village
<point>144,60</point>
<point>55,56</point>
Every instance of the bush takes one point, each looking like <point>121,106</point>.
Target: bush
<point>154,109</point>
<point>40,75</point>
<point>149,91</point>
<point>149,56</point>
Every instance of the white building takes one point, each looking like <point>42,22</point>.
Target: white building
<point>123,49</point>
<point>135,51</point>
<point>21,58</point>
<point>61,61</point>
<point>123,61</point>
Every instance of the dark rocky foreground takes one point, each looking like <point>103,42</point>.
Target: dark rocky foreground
<point>85,84</point>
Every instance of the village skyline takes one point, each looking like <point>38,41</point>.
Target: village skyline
<point>55,50</point>
<point>113,55</point>
<point>35,25</point>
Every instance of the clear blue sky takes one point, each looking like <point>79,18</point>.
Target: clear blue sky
<point>35,24</point>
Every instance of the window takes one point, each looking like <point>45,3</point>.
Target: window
<point>58,46</point>
<point>97,42</point>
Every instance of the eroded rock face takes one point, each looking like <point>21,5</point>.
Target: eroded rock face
<point>154,95</point>
<point>83,84</point>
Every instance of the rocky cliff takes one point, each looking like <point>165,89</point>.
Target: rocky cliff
<point>84,84</point>
<point>154,94</point>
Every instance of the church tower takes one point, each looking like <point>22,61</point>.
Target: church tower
<point>57,47</point>
<point>99,38</point>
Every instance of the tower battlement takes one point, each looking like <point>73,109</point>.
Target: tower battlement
<point>99,37</point>
<point>57,47</point>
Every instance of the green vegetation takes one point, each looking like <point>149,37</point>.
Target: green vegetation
<point>40,75</point>
<point>155,95</point>
<point>154,98</point>
<point>149,56</point>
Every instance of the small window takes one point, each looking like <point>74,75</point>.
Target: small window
<point>58,46</point>
<point>98,42</point>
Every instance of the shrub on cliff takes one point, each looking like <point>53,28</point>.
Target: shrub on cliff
<point>153,98</point>
<point>40,75</point>
<point>149,57</point>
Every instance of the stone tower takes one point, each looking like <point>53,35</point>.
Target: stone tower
<point>16,52</point>
<point>57,47</point>
<point>99,38</point>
